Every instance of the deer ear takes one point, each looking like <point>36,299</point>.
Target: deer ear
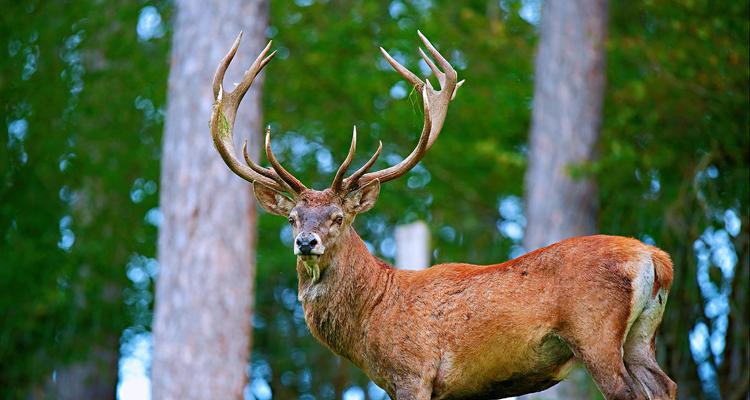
<point>363,198</point>
<point>272,200</point>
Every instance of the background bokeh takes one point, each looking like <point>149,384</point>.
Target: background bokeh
<point>83,89</point>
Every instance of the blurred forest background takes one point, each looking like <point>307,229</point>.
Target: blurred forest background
<point>83,86</point>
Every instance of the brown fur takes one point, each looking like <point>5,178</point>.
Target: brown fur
<point>460,331</point>
<point>662,269</point>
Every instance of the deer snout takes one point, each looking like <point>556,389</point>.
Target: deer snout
<point>308,243</point>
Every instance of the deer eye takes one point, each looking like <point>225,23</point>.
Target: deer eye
<point>338,220</point>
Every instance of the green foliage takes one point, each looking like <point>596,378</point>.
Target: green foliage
<point>81,97</point>
<point>674,165</point>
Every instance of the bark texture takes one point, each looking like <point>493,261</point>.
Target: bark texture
<point>566,122</point>
<point>204,294</point>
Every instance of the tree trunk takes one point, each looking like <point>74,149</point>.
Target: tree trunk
<point>93,378</point>
<point>567,115</point>
<point>566,120</point>
<point>204,293</point>
<point>413,246</point>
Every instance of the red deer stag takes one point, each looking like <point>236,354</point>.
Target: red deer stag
<point>457,331</point>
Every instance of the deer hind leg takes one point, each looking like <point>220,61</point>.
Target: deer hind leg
<point>605,363</point>
<point>598,343</point>
<point>639,354</point>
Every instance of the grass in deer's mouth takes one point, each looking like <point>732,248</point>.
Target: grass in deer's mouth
<point>311,266</point>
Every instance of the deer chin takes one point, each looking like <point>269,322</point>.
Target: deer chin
<point>312,266</point>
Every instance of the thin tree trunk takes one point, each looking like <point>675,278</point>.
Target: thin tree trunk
<point>413,246</point>
<point>93,378</point>
<point>566,121</point>
<point>204,293</point>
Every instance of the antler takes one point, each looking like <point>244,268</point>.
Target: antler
<point>222,125</point>
<point>225,111</point>
<point>435,108</point>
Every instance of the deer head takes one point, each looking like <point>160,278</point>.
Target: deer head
<point>318,218</point>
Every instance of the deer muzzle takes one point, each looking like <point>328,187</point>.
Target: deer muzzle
<point>308,244</point>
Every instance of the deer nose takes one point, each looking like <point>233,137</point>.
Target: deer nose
<point>306,242</point>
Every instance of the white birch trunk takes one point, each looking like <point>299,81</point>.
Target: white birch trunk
<point>413,246</point>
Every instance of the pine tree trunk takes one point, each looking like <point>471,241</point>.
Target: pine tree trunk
<point>204,294</point>
<point>566,121</point>
<point>567,115</point>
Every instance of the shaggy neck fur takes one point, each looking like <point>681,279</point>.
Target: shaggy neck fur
<point>352,283</point>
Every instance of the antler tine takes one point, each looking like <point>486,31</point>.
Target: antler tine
<point>351,181</point>
<point>403,71</point>
<point>222,68</point>
<point>289,179</point>
<point>339,178</point>
<point>435,109</point>
<point>448,86</point>
<point>267,172</point>
<point>412,159</point>
<point>429,63</point>
<point>224,113</point>
<point>249,76</point>
<point>444,64</point>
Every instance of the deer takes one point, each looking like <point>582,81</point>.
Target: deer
<point>456,330</point>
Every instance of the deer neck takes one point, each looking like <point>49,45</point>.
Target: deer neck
<point>338,304</point>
